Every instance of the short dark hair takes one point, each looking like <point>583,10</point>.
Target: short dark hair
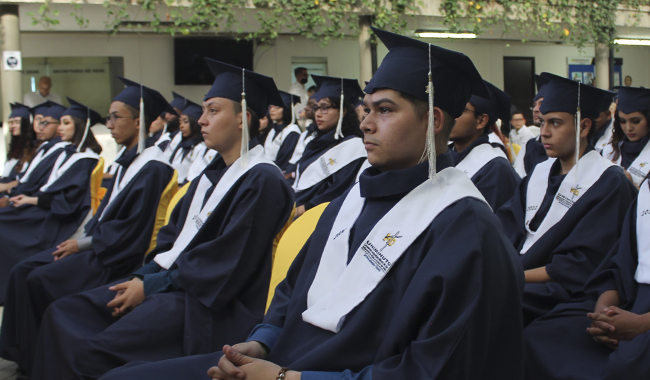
<point>517,113</point>
<point>421,108</point>
<point>136,114</point>
<point>254,125</point>
<point>299,70</point>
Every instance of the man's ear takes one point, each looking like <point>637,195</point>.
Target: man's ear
<point>585,127</point>
<point>482,121</point>
<point>439,119</point>
<point>137,123</point>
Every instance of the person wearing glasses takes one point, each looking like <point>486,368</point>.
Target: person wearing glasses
<point>520,133</point>
<point>284,133</point>
<point>22,146</point>
<point>34,222</point>
<point>115,239</point>
<point>39,169</point>
<point>331,161</point>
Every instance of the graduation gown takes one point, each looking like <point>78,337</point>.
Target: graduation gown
<point>529,156</point>
<point>185,154</point>
<point>41,172</point>
<point>573,248</point>
<point>287,144</point>
<point>214,293</point>
<point>29,229</point>
<point>426,319</point>
<point>496,180</point>
<point>336,184</point>
<point>557,345</point>
<point>119,242</point>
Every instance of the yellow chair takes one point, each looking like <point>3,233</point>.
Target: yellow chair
<point>177,197</point>
<point>161,213</point>
<point>97,192</point>
<point>292,241</point>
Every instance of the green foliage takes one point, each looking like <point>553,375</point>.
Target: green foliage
<point>579,22</point>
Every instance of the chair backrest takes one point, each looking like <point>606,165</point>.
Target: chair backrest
<point>174,201</point>
<point>292,241</point>
<point>97,192</point>
<point>161,213</point>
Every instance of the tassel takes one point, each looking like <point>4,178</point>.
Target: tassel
<point>83,139</point>
<point>244,122</point>
<point>293,112</point>
<point>143,132</point>
<point>431,136</point>
<point>164,130</point>
<point>578,119</point>
<point>339,125</point>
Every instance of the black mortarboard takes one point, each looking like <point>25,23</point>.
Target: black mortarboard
<point>496,107</point>
<point>40,108</point>
<point>179,101</point>
<point>540,81</point>
<point>330,87</point>
<point>633,99</point>
<point>406,66</point>
<point>561,95</point>
<point>260,89</point>
<point>20,110</point>
<point>82,112</point>
<point>192,109</point>
<point>288,99</point>
<point>55,110</point>
<point>154,103</point>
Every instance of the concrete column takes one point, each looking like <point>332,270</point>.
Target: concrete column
<point>10,80</point>
<point>602,66</point>
<point>365,50</point>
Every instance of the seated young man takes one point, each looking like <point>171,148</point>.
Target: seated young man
<point>115,239</point>
<point>208,281</point>
<point>533,152</point>
<point>487,166</point>
<point>407,275</point>
<point>564,218</point>
<point>606,336</point>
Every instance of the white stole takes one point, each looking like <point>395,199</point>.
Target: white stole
<point>606,138</point>
<point>199,164</point>
<point>305,138</point>
<point>40,156</point>
<point>591,168</point>
<point>478,157</point>
<point>519,165</point>
<point>329,163</point>
<point>182,164</point>
<point>112,168</point>
<point>150,154</point>
<point>60,168</point>
<point>163,137</point>
<point>642,274</point>
<point>173,144</point>
<point>199,213</point>
<point>339,287</point>
<point>639,168</point>
<point>366,164</point>
<point>9,166</point>
<point>274,142</point>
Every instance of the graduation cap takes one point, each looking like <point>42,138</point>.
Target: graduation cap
<point>633,99</point>
<point>288,101</point>
<point>496,107</point>
<point>192,109</point>
<point>150,102</point>
<point>39,109</point>
<point>179,101</point>
<point>82,112</point>
<point>540,81</point>
<point>333,87</point>
<point>55,110</point>
<point>253,90</point>
<point>438,76</point>
<point>20,110</point>
<point>565,95</point>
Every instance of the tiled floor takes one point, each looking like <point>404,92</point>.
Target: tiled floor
<point>7,368</point>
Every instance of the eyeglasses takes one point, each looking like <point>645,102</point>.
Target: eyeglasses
<point>323,109</point>
<point>113,117</point>
<point>45,123</point>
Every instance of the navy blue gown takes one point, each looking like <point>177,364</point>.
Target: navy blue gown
<point>497,180</point>
<point>286,149</point>
<point>573,248</point>
<point>535,153</point>
<point>448,309</point>
<point>558,345</point>
<point>333,186</point>
<point>214,293</point>
<point>41,173</point>
<point>119,242</point>
<point>29,229</point>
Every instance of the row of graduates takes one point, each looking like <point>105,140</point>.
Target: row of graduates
<point>204,285</point>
